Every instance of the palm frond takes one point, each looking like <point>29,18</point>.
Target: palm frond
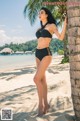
<point>33,6</point>
<point>31,9</point>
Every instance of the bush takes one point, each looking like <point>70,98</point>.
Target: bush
<point>60,52</point>
<point>65,60</point>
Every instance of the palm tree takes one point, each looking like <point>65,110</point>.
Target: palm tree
<point>33,7</point>
<point>74,54</point>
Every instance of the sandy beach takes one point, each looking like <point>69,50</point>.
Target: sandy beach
<point>18,91</point>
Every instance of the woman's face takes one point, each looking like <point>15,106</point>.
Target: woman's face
<point>42,15</point>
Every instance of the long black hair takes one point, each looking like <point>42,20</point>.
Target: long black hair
<point>50,17</point>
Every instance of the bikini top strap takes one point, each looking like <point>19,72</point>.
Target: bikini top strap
<point>44,25</point>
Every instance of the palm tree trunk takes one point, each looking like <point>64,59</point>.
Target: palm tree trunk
<point>74,54</point>
<point>66,53</point>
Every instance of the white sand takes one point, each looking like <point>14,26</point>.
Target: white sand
<point>18,91</point>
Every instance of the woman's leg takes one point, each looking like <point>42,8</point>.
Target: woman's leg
<point>44,91</point>
<point>44,63</point>
<point>44,84</point>
<point>40,90</point>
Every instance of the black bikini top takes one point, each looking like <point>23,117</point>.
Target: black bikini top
<point>43,32</point>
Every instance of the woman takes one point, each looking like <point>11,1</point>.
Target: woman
<point>44,55</point>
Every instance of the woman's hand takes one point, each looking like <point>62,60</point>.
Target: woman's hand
<point>66,19</point>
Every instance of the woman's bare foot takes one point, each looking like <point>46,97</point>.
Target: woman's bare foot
<point>40,111</point>
<point>46,108</point>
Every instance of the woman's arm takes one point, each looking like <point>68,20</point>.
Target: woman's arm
<point>55,30</point>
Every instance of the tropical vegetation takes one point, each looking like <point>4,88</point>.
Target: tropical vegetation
<point>55,46</point>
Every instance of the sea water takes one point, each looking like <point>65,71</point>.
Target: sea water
<point>13,61</point>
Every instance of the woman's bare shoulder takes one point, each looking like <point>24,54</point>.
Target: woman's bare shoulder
<point>51,26</point>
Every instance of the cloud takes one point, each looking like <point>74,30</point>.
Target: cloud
<point>2,25</point>
<point>17,30</point>
<point>19,26</point>
<point>18,39</point>
<point>5,39</point>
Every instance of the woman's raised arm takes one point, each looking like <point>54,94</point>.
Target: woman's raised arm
<point>62,34</point>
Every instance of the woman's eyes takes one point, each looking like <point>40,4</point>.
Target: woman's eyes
<point>41,13</point>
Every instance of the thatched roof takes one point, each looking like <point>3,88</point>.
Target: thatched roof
<point>6,50</point>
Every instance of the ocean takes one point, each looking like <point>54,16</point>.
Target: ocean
<point>11,61</point>
<point>15,61</point>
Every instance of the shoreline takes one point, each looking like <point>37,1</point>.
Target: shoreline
<point>22,73</point>
<point>10,68</point>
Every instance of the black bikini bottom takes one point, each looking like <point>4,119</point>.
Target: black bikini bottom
<point>41,53</point>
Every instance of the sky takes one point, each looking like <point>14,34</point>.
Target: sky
<point>13,26</point>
